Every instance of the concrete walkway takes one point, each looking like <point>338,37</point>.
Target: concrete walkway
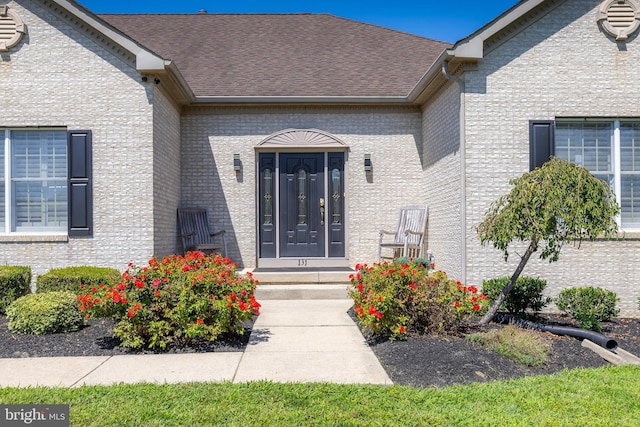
<point>307,339</point>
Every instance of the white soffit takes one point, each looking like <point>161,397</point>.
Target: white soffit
<point>146,61</point>
<point>472,47</point>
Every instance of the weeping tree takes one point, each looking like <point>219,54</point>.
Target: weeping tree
<point>555,204</point>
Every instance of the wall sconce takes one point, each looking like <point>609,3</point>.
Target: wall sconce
<point>367,163</point>
<point>236,163</point>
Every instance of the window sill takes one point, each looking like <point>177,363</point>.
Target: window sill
<point>629,235</point>
<point>33,238</point>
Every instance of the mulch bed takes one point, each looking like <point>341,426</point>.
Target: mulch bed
<point>421,361</point>
<point>428,361</point>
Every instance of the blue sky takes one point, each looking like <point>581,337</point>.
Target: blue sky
<point>441,20</point>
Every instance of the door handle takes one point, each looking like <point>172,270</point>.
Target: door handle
<point>321,211</point>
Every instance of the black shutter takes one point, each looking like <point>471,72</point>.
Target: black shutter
<point>541,142</point>
<point>80,193</point>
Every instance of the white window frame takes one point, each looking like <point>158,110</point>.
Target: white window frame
<point>615,157</point>
<point>9,226</point>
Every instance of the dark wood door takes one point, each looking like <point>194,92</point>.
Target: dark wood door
<point>302,205</point>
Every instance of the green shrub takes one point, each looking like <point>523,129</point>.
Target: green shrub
<point>393,299</point>
<point>70,278</point>
<point>45,313</point>
<point>522,346</point>
<point>588,305</point>
<point>14,283</point>
<point>526,295</point>
<point>176,301</point>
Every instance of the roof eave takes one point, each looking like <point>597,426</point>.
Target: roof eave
<point>472,46</point>
<point>146,60</point>
<point>262,100</point>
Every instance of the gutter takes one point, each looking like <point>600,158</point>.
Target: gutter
<point>463,168</point>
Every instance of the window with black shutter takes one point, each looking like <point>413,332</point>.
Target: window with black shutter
<point>541,142</point>
<point>80,183</point>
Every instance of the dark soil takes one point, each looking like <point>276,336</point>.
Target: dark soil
<point>422,361</point>
<point>96,339</point>
<point>428,361</point>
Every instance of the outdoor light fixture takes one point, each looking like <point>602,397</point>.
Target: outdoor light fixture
<point>236,162</point>
<point>367,163</point>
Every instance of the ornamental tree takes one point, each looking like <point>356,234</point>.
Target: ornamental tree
<point>551,206</point>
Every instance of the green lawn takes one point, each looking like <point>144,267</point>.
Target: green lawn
<point>582,397</point>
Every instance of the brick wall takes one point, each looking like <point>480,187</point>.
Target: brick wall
<point>441,159</point>
<point>391,135</point>
<point>560,66</point>
<point>166,174</point>
<point>60,75</point>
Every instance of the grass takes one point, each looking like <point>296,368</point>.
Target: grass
<point>584,397</point>
<point>520,345</point>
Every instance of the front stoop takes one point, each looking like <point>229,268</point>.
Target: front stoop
<point>301,276</point>
<point>302,291</point>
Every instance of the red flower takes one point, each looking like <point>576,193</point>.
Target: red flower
<point>200,321</point>
<point>131,313</point>
<point>116,297</point>
<point>372,309</point>
<point>157,293</point>
<point>233,297</point>
<point>139,284</point>
<point>413,285</point>
<point>476,307</point>
<point>457,304</point>
<point>401,329</point>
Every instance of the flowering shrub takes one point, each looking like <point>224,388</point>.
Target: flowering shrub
<point>393,299</point>
<point>175,301</point>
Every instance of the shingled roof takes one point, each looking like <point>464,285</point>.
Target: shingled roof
<point>288,55</point>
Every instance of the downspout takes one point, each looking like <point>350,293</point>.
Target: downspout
<point>463,169</point>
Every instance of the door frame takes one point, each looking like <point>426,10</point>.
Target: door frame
<point>300,141</point>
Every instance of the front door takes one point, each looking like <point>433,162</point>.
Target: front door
<point>302,211</point>
<point>302,205</point>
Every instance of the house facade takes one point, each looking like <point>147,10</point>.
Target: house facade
<point>113,122</point>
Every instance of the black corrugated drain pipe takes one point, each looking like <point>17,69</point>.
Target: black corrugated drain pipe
<point>601,340</point>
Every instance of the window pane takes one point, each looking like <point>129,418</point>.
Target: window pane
<point>39,180</point>
<point>586,144</point>
<point>336,190</point>
<point>267,188</point>
<point>302,196</point>
<point>630,147</point>
<point>2,184</point>
<point>630,200</point>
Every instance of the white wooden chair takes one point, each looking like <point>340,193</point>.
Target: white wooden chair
<point>408,239</point>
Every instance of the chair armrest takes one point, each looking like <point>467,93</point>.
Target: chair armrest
<point>417,233</point>
<point>189,234</point>
<point>383,232</point>
<point>219,233</point>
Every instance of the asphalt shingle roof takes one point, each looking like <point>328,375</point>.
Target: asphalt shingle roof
<point>283,54</point>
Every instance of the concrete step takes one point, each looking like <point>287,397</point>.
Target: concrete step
<point>271,276</point>
<point>302,291</point>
